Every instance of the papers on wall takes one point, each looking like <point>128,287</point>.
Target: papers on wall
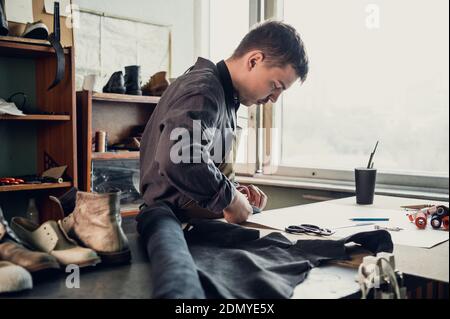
<point>108,44</point>
<point>64,7</point>
<point>20,11</point>
<point>334,215</point>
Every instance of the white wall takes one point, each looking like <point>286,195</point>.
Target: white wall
<point>178,14</point>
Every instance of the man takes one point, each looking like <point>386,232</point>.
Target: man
<point>178,164</point>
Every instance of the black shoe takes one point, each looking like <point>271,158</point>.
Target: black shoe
<point>116,84</point>
<point>37,30</point>
<point>3,21</point>
<point>133,79</point>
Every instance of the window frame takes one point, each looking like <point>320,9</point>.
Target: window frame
<point>264,148</point>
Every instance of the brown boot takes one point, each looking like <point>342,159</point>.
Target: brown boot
<point>17,254</point>
<point>96,224</point>
<point>156,85</point>
<point>32,261</point>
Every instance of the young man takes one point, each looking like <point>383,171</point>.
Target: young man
<point>187,140</point>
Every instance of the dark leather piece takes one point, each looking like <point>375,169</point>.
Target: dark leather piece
<point>60,61</point>
<point>55,41</point>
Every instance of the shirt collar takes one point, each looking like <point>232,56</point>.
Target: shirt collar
<point>231,95</point>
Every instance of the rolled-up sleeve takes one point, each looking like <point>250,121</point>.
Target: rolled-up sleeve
<point>183,153</point>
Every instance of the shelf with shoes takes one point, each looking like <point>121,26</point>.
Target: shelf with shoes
<point>121,117</point>
<point>29,66</point>
<point>25,48</point>
<point>125,98</point>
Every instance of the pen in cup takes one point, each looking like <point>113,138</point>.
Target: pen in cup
<point>370,164</point>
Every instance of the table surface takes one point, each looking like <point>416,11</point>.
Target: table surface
<point>430,263</point>
<point>331,281</point>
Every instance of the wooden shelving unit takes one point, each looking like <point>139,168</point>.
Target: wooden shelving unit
<point>124,98</point>
<point>115,155</point>
<point>33,187</point>
<point>35,118</point>
<point>116,114</point>
<point>55,143</point>
<point>26,48</point>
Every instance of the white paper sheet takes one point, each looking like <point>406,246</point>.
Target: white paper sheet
<point>333,215</point>
<point>20,11</point>
<point>64,7</point>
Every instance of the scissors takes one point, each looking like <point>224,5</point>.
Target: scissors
<point>308,229</point>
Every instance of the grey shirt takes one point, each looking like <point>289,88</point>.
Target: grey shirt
<point>199,99</point>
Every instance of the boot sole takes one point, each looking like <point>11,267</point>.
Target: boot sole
<point>137,92</point>
<point>117,90</point>
<point>122,257</point>
<point>91,262</point>
<point>44,266</point>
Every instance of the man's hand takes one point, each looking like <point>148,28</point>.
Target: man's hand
<point>239,209</point>
<point>255,196</point>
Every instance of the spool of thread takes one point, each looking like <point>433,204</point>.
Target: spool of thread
<point>440,210</point>
<point>436,221</point>
<point>421,220</point>
<point>445,222</point>
<point>100,141</point>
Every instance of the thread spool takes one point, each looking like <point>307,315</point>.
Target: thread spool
<point>100,141</point>
<point>440,211</point>
<point>436,221</point>
<point>445,222</point>
<point>420,220</point>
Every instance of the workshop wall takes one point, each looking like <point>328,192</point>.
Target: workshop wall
<point>177,14</point>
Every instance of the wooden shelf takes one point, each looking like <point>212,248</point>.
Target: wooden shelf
<point>115,155</point>
<point>111,97</point>
<point>20,47</point>
<point>32,187</point>
<point>35,118</point>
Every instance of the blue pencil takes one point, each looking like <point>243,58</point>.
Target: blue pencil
<point>369,219</point>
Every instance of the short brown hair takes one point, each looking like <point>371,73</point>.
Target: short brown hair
<point>280,43</point>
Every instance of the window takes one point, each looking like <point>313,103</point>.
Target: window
<point>229,23</point>
<point>379,70</point>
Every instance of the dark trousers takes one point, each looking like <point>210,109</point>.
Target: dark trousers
<point>173,272</point>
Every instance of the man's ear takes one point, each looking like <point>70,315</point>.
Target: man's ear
<point>254,58</point>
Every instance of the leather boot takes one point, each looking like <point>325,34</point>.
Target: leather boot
<point>14,278</point>
<point>3,21</point>
<point>116,84</point>
<point>133,79</point>
<point>50,238</point>
<point>96,223</point>
<point>157,84</point>
<point>17,254</point>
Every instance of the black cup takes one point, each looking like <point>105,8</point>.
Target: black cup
<point>365,179</point>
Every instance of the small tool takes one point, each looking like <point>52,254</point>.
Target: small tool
<point>355,225</point>
<point>388,228</point>
<point>370,219</point>
<point>370,165</point>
